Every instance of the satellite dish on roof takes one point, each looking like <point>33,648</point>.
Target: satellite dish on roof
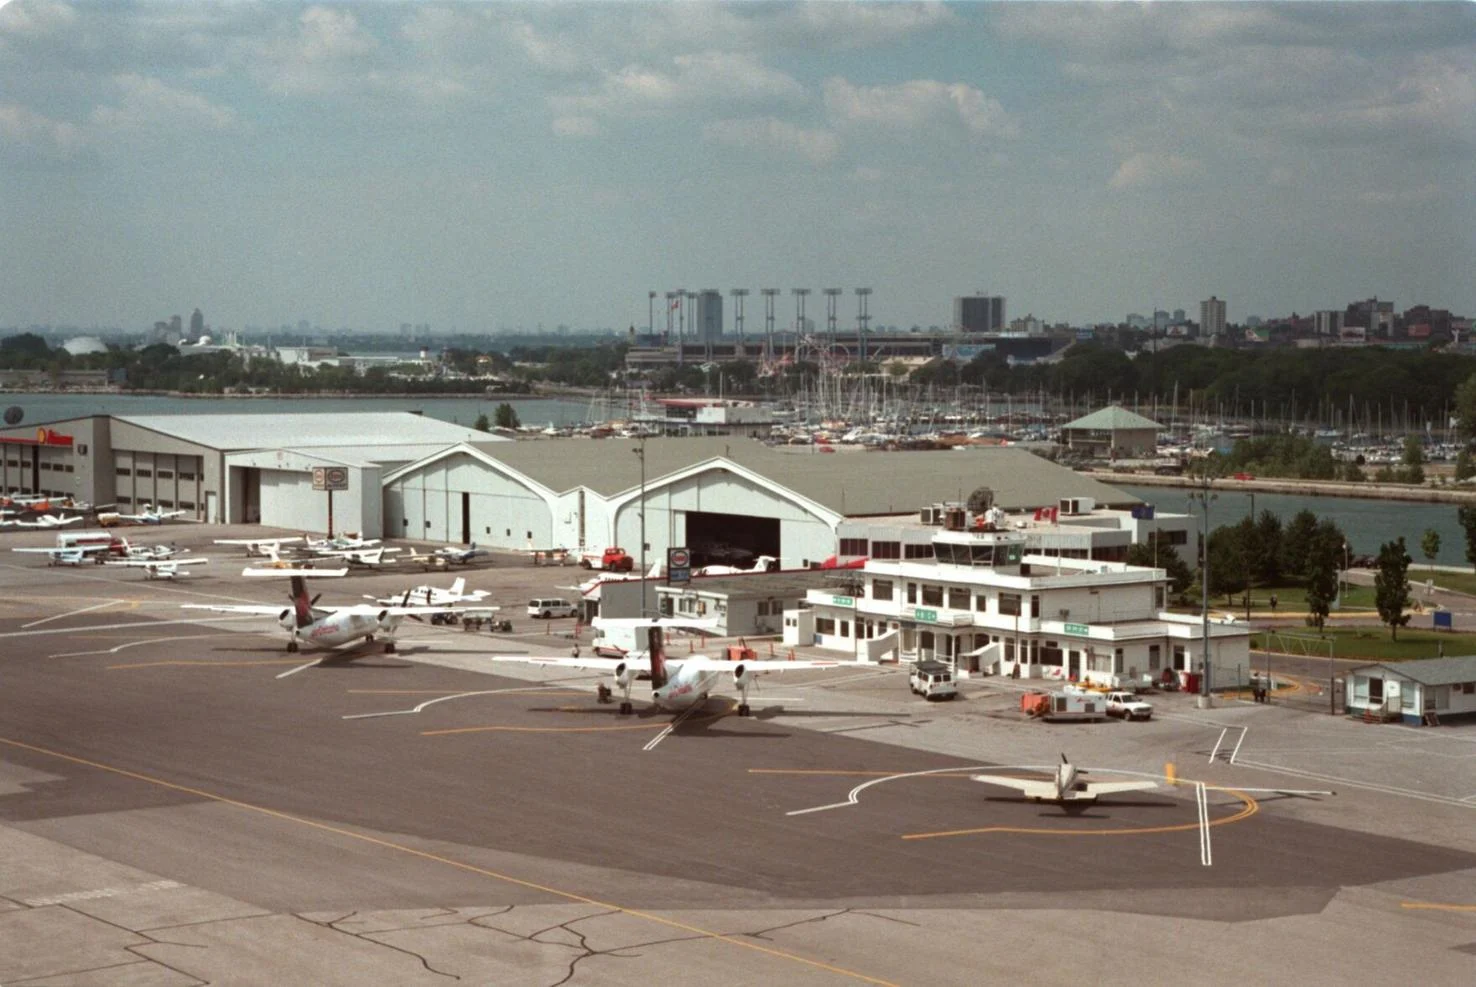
<point>981,500</point>
<point>14,414</point>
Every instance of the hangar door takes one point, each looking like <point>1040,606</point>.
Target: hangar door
<point>730,539</point>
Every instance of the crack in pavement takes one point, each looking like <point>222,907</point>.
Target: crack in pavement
<point>366,937</point>
<point>764,933</point>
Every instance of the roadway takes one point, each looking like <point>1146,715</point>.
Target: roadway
<point>174,804</point>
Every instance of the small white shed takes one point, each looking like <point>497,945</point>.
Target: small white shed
<point>1413,692</point>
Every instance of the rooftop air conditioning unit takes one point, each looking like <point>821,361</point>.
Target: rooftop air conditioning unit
<point>932,514</point>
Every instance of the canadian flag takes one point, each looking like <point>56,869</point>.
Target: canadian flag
<point>675,302</point>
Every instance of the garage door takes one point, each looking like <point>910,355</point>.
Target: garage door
<point>730,539</point>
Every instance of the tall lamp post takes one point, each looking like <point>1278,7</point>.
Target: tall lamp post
<point>640,451</point>
<point>1204,496</point>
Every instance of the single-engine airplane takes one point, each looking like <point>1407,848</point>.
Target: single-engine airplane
<point>45,521</point>
<point>1066,788</point>
<point>259,546</point>
<point>161,568</point>
<point>434,596</point>
<point>74,555</point>
<point>676,683</point>
<point>308,624</point>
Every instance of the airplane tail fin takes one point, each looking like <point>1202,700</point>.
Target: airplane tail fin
<point>300,602</point>
<point>655,647</point>
<point>458,587</point>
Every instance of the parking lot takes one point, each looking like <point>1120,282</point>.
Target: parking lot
<point>182,801</point>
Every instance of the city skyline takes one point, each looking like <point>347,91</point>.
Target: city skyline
<point>485,165</point>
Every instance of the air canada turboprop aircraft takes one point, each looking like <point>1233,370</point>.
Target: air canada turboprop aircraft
<point>1066,787</point>
<point>308,624</point>
<point>676,683</point>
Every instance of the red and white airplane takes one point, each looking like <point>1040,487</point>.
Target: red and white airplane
<point>308,624</point>
<point>676,683</point>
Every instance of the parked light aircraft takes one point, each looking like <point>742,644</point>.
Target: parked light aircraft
<point>147,516</point>
<point>591,587</point>
<point>460,556</point>
<point>432,596</point>
<point>308,624</point>
<point>342,543</point>
<point>45,521</point>
<point>164,568</point>
<point>1066,787</point>
<point>764,563</point>
<point>676,683</point>
<point>74,555</point>
<point>359,556</point>
<point>149,552</point>
<point>259,546</point>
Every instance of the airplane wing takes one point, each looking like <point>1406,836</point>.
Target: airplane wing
<point>680,623</point>
<point>760,665</point>
<point>1095,788</point>
<point>594,663</point>
<point>316,573</point>
<point>157,563</point>
<point>1029,787</point>
<point>49,551</point>
<point>264,609</point>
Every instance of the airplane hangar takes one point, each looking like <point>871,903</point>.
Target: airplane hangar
<point>725,498</point>
<point>225,468</point>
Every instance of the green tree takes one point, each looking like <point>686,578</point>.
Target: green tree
<point>1296,544</point>
<point>1430,545</point>
<point>1265,549</point>
<point>1464,467</point>
<point>1322,563</point>
<point>482,424</point>
<point>1465,408</point>
<point>507,416</point>
<point>1391,586</point>
<point>1156,553</point>
<point>1227,561</point>
<point>1466,515</point>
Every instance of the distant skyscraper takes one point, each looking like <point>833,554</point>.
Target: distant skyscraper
<point>709,314</point>
<point>979,313</point>
<point>1212,317</point>
<point>176,328</point>
<point>1328,322</point>
<point>197,324</point>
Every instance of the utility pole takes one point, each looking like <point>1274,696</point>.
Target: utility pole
<point>1204,496</point>
<point>640,451</point>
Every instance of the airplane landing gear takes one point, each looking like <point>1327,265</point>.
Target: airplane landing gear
<point>292,647</point>
<point>602,693</point>
<point>389,647</point>
<point>627,708</point>
<point>743,710</point>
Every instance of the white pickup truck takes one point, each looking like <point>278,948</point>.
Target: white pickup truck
<point>1128,706</point>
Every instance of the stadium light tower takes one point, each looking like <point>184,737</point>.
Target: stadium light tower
<point>650,312</point>
<point>769,295</point>
<point>832,296</point>
<point>738,295</point>
<point>863,317</point>
<point>799,307</point>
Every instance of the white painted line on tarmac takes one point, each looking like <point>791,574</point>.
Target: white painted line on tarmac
<point>441,699</point>
<point>1216,752</point>
<point>299,668</point>
<point>1236,752</point>
<point>71,896</point>
<point>1365,785</point>
<point>134,626</point>
<point>854,796</point>
<point>1201,799</point>
<point>69,613</point>
<point>133,644</point>
<point>672,726</point>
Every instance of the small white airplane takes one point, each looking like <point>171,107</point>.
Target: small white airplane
<point>342,543</point>
<point>1066,787</point>
<point>764,563</point>
<point>259,546</point>
<point>591,587</point>
<point>359,556</point>
<point>165,568</point>
<point>75,555</point>
<point>433,596</point>
<point>308,624</point>
<point>460,556</point>
<point>45,521</point>
<point>154,553</point>
<point>676,683</point>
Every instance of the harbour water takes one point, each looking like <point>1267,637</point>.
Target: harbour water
<point>1367,523</point>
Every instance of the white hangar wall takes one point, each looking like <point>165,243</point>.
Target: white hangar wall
<point>806,530</point>
<point>284,496</point>
<point>463,498</point>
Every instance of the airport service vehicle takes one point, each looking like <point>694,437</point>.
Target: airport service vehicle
<point>677,684</point>
<point>552,606</point>
<point>610,560</point>
<point>1067,786</point>
<point>308,624</point>
<point>75,555</point>
<point>91,539</point>
<point>433,596</point>
<point>1064,706</point>
<point>1128,706</point>
<point>932,680</point>
<point>160,568</point>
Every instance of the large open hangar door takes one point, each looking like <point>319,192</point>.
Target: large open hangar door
<point>730,539</point>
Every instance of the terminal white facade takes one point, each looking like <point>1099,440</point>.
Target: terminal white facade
<point>983,604</point>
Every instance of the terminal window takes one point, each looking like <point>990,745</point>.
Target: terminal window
<point>881,589</point>
<point>853,546</point>
<point>886,550</point>
<point>1009,604</point>
<point>824,625</point>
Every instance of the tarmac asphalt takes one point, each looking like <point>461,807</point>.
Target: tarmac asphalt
<point>182,802</point>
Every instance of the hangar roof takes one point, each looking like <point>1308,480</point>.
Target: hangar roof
<point>310,429</point>
<point>852,484</point>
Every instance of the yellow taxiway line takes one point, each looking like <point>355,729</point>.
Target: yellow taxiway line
<point>451,862</point>
<point>1435,906</point>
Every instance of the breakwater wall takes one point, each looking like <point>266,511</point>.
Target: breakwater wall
<point>1317,488</point>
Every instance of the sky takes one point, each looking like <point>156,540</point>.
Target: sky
<point>477,166</point>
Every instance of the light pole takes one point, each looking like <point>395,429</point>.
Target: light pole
<point>640,451</point>
<point>1250,570</point>
<point>1204,496</point>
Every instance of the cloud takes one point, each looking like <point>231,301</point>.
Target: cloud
<point>917,103</point>
<point>1151,170</point>
<point>41,135</point>
<point>146,102</point>
<point>706,78</point>
<point>778,137</point>
<point>576,127</point>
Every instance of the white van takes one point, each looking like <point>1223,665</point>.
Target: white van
<point>552,607</point>
<point>933,680</point>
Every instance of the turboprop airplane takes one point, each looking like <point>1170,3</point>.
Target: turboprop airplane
<point>161,568</point>
<point>73,555</point>
<point>677,684</point>
<point>763,563</point>
<point>1066,787</point>
<point>308,624</point>
<point>433,596</point>
<point>259,546</point>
